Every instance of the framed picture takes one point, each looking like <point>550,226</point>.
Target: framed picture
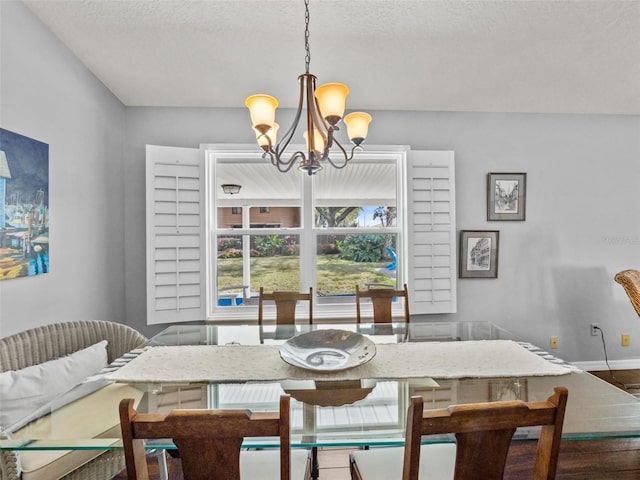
<point>508,389</point>
<point>479,253</point>
<point>506,196</point>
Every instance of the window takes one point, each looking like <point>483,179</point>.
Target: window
<point>331,231</point>
<point>355,228</point>
<point>388,217</point>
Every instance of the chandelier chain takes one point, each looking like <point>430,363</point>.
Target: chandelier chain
<point>307,56</point>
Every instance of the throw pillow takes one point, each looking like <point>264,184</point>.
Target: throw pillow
<point>25,391</point>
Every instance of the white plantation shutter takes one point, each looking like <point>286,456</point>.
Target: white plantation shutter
<point>176,241</point>
<point>432,232</point>
<point>175,234</point>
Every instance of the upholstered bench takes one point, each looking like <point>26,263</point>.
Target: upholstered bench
<point>39,346</point>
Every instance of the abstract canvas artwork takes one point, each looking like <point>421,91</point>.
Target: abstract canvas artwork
<point>24,206</point>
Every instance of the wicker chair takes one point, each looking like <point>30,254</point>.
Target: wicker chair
<point>630,280</point>
<point>49,342</point>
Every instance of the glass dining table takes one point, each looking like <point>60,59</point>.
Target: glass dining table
<point>355,412</point>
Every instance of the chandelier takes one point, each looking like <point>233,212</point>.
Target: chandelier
<point>324,107</point>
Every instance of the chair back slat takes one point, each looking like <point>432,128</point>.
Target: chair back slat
<point>212,458</point>
<point>286,303</point>
<point>472,449</point>
<point>382,302</point>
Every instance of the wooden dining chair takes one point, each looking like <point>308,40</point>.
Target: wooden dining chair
<point>630,281</point>
<point>483,433</point>
<point>382,301</point>
<point>209,443</point>
<point>285,305</point>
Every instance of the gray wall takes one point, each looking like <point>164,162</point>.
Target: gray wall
<point>46,94</point>
<point>556,268</point>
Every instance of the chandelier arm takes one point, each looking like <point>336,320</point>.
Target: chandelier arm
<point>330,140</point>
<point>282,145</point>
<point>315,122</point>
<point>347,156</point>
<point>284,167</point>
<point>326,130</point>
<point>319,122</point>
<point>272,158</point>
<point>281,165</point>
<point>267,150</point>
<point>318,119</point>
<point>311,127</point>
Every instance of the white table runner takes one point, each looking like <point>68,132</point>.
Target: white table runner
<point>240,363</point>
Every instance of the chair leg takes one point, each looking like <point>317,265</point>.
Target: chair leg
<point>353,469</point>
<point>162,464</point>
<point>315,467</point>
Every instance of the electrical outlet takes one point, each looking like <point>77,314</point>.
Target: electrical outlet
<point>595,327</point>
<point>626,340</point>
<point>553,342</point>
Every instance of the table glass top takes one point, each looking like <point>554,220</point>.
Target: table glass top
<point>333,413</point>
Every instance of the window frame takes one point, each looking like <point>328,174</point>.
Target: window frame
<point>308,232</point>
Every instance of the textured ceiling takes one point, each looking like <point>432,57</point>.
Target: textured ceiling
<point>580,56</point>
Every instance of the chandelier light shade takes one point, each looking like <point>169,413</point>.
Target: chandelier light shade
<point>332,100</point>
<point>324,108</point>
<point>262,109</point>
<point>264,140</point>
<point>357,126</point>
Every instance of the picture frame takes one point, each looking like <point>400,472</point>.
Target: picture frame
<point>508,389</point>
<point>479,253</point>
<point>506,196</point>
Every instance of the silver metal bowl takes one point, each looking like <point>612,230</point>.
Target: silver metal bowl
<point>328,350</point>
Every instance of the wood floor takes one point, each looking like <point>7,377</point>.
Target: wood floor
<point>617,459</point>
<point>628,380</point>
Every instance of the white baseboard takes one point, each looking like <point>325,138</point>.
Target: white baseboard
<point>627,364</point>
